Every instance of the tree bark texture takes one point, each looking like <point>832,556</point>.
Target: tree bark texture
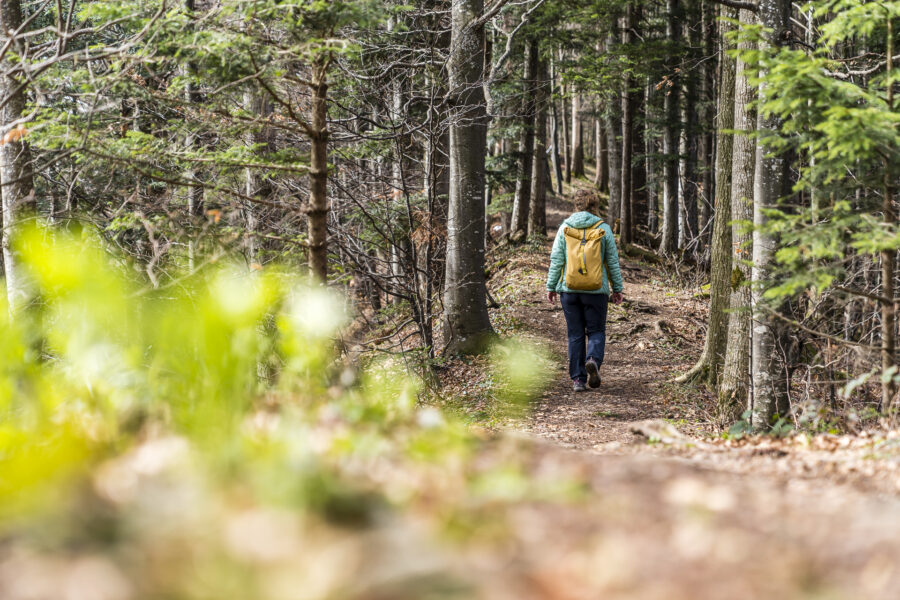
<point>601,178</point>
<point>650,164</point>
<point>613,117</point>
<point>256,186</point>
<point>317,213</point>
<point>628,108</point>
<point>671,89</point>
<point>16,177</point>
<point>734,387</point>
<point>768,185</point>
<point>577,137</point>
<point>437,168</point>
<point>557,166</point>
<point>614,130</point>
<point>525,159</point>
<point>537,213</point>
<point>709,367</point>
<point>466,325</point>
<point>437,190</point>
<point>708,141</point>
<point>401,248</point>
<point>567,147</point>
<point>888,257</point>
<point>557,162</point>
<point>687,146</point>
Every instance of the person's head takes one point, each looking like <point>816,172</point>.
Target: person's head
<point>587,200</point>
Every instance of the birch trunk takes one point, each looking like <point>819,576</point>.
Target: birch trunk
<point>687,148</point>
<point>16,178</point>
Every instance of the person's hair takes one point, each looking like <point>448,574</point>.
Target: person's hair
<point>587,200</point>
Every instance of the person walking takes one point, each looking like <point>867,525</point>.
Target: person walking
<point>584,270</point>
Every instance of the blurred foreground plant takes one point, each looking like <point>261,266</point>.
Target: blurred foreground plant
<point>202,440</point>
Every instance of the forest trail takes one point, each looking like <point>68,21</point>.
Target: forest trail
<point>801,517</point>
<point>654,335</point>
<point>650,338</point>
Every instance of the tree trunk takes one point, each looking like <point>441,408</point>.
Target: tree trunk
<point>734,388</point>
<point>650,163</point>
<point>614,129</point>
<point>537,213</point>
<point>401,248</point>
<point>256,186</point>
<point>16,177</point>
<point>557,167</point>
<point>687,147</point>
<point>522,198</point>
<point>437,169</point>
<point>669,240</point>
<point>577,138</point>
<point>888,305</point>
<point>466,326</point>
<point>709,366</point>
<point>613,116</point>
<point>628,106</point>
<point>437,189</point>
<point>601,178</point>
<point>567,148</point>
<point>768,186</point>
<point>195,192</point>
<point>708,144</point>
<point>317,214</point>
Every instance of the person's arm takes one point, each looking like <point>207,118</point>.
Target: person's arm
<point>557,262</point>
<point>612,264</point>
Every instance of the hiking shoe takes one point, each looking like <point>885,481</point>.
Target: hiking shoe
<point>578,385</point>
<point>593,372</point>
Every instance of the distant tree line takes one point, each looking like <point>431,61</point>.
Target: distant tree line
<point>385,147</point>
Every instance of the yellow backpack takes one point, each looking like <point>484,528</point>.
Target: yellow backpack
<point>584,257</point>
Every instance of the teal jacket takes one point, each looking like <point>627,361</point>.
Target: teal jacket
<point>556,278</point>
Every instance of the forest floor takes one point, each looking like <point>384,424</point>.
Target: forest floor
<point>675,509</point>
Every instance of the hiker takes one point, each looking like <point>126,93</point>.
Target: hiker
<point>583,264</point>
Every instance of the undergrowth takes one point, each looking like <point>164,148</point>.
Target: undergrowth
<point>204,441</point>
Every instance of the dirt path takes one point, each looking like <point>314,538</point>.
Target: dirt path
<point>694,516</point>
<point>688,515</point>
<point>654,335</point>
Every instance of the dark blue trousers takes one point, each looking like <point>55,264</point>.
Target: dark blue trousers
<point>585,320</point>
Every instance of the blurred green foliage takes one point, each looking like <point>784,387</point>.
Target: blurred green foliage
<point>205,440</point>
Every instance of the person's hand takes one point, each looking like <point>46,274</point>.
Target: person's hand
<point>551,297</point>
<point>618,298</point>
